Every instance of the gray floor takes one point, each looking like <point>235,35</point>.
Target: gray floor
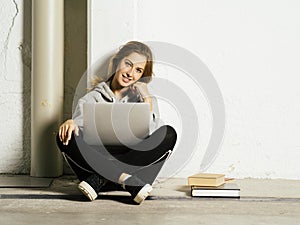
<point>261,202</point>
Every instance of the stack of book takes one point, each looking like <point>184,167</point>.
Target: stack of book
<point>212,185</point>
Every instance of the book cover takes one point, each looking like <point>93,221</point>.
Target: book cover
<point>206,179</point>
<point>227,190</point>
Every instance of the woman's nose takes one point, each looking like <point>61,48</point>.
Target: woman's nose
<point>129,72</point>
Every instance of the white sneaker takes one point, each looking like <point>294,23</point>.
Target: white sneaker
<point>138,189</point>
<point>87,190</point>
<point>143,194</point>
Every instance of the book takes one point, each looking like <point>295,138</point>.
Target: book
<point>227,190</point>
<point>206,179</point>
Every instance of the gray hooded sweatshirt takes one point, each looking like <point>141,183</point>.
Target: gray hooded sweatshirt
<point>102,93</point>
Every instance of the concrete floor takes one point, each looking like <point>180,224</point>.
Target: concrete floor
<point>261,202</point>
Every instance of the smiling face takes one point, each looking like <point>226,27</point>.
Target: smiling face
<point>130,69</point>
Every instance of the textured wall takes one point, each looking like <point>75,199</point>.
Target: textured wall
<point>15,76</point>
<point>15,61</point>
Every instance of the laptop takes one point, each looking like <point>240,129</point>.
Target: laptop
<point>115,123</point>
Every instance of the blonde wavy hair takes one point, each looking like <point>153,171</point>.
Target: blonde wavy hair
<point>126,50</point>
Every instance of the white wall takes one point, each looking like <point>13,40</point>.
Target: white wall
<point>252,49</point>
<point>15,76</point>
<point>14,87</point>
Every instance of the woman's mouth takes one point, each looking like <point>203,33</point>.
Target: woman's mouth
<point>126,79</point>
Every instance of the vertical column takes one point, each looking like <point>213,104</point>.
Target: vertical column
<point>47,86</point>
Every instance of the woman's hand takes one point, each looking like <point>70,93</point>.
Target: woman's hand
<point>65,131</point>
<point>143,90</point>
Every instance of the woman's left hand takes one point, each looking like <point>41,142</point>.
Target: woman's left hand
<point>66,130</point>
<point>143,90</point>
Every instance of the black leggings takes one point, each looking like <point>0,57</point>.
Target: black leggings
<point>144,160</point>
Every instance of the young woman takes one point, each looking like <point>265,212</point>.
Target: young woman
<point>134,168</point>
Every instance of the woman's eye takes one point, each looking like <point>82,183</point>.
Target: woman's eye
<point>139,70</point>
<point>127,63</point>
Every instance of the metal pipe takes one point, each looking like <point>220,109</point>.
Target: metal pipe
<point>47,86</point>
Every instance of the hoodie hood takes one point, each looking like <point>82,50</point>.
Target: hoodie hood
<point>103,88</point>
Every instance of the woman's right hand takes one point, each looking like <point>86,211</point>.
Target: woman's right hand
<point>65,131</point>
<point>143,90</point>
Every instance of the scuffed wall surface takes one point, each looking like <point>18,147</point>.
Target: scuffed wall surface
<point>15,76</point>
<point>15,63</point>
